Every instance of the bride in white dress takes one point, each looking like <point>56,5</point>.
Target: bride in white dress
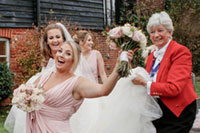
<point>128,109</point>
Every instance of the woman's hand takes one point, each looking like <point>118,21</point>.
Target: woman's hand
<point>129,54</point>
<point>139,80</point>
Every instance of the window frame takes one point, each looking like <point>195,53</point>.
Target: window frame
<point>7,55</point>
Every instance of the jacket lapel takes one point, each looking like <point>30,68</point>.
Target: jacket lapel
<point>149,63</point>
<point>164,60</point>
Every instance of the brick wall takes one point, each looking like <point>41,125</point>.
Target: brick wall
<point>12,35</point>
<point>100,44</point>
<point>108,55</point>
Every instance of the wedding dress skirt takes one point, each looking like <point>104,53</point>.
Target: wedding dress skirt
<point>128,109</point>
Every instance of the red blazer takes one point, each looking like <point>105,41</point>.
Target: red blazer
<point>174,83</point>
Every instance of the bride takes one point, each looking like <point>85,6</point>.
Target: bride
<point>128,109</point>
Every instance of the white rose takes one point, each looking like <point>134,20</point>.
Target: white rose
<point>22,87</point>
<point>126,29</point>
<point>41,99</point>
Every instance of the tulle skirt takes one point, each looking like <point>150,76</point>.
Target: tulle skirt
<point>128,109</point>
<point>16,121</point>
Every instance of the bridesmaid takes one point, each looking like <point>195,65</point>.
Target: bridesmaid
<point>65,92</point>
<point>52,39</point>
<point>93,57</point>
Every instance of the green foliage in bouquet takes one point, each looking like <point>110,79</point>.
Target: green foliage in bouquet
<point>6,81</point>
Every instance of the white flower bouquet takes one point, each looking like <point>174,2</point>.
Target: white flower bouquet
<point>126,37</point>
<point>28,97</point>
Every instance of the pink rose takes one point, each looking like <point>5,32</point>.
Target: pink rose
<point>115,32</point>
<point>137,36</point>
<point>113,45</point>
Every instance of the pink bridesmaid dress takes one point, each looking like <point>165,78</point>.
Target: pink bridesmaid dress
<point>58,107</point>
<point>92,62</point>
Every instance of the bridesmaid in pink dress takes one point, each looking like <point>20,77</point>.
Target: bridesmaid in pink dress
<point>93,57</point>
<point>54,35</point>
<point>65,92</point>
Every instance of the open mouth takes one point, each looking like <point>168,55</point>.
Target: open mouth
<point>57,44</point>
<point>60,61</point>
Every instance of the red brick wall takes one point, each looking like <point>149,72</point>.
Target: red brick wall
<point>12,35</point>
<point>100,41</point>
<point>108,55</point>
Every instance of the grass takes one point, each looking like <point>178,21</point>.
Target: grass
<point>3,115</point>
<point>4,110</point>
<point>197,88</point>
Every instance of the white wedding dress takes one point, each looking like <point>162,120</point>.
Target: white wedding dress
<point>128,109</point>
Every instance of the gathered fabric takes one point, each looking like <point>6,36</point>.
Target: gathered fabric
<point>56,110</point>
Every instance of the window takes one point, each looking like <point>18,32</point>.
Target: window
<point>4,50</point>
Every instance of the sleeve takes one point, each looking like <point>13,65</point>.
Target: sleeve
<point>177,74</point>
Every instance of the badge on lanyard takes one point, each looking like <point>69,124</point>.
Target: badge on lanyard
<point>154,69</point>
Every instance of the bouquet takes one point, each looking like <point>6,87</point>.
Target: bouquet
<point>126,37</point>
<point>28,97</point>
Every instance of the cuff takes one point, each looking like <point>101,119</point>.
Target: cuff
<point>149,87</point>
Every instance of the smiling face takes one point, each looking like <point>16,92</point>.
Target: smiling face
<point>64,58</point>
<point>159,36</point>
<point>54,40</point>
<point>88,43</point>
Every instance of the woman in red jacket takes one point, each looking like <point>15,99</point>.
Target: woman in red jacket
<point>170,67</point>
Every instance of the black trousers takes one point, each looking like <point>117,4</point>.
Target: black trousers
<point>169,123</point>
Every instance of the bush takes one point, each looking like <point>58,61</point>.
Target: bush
<point>6,82</point>
<point>186,17</point>
<point>28,56</point>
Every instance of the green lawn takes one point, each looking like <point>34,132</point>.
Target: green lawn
<point>3,114</point>
<point>197,88</point>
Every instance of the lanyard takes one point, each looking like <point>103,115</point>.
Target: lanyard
<point>154,70</point>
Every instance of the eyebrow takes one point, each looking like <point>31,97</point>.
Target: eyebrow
<point>68,50</point>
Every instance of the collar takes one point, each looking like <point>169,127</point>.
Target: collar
<point>161,52</point>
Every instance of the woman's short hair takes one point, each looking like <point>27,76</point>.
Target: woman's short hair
<point>161,18</point>
<point>76,52</point>
<point>45,49</point>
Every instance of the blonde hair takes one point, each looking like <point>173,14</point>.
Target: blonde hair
<point>161,18</point>
<point>45,49</point>
<point>76,53</point>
